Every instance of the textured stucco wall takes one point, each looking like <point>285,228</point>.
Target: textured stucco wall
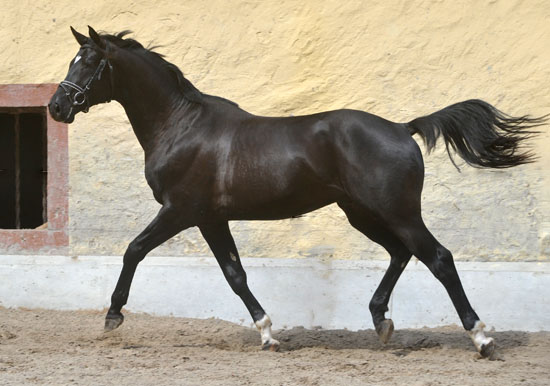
<point>398,59</point>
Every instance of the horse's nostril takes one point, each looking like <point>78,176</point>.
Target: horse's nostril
<point>57,108</point>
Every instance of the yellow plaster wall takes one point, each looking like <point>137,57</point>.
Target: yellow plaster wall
<point>395,58</point>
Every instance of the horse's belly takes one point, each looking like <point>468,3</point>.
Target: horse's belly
<point>271,206</point>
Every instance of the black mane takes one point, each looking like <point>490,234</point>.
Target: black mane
<point>188,90</point>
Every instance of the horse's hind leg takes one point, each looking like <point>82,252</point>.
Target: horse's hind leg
<point>218,237</point>
<point>400,256</point>
<point>439,261</point>
<point>379,303</point>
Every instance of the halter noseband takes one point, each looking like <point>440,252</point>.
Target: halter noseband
<point>81,95</point>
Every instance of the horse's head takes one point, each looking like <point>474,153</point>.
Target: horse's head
<point>88,82</point>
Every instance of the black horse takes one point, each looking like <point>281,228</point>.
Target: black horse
<point>209,162</point>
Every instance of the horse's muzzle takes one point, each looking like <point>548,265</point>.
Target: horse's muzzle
<point>60,110</point>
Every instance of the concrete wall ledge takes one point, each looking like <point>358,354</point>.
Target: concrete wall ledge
<point>295,292</point>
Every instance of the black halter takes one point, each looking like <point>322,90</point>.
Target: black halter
<point>81,95</point>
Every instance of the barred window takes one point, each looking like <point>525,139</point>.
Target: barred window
<point>23,168</point>
<point>34,172</point>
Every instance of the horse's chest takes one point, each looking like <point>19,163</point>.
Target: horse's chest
<point>176,181</point>
<point>160,177</point>
<point>154,182</point>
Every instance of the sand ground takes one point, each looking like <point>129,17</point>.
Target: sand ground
<point>69,348</point>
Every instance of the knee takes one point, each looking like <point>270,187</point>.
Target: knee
<point>444,255</point>
<point>238,285</point>
<point>237,281</point>
<point>443,263</point>
<point>134,254</point>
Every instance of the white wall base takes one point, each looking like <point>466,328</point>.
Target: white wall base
<point>294,292</point>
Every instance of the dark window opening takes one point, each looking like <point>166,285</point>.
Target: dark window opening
<point>23,176</point>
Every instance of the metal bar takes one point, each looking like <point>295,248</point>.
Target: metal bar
<point>17,175</point>
<point>44,170</point>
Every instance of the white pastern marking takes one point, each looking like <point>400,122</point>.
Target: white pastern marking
<point>78,57</point>
<point>264,325</point>
<point>478,336</point>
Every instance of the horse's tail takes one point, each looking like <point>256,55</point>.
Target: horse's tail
<point>482,135</point>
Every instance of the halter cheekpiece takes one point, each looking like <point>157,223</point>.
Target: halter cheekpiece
<point>81,95</point>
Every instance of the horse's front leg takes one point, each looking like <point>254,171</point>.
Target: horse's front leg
<point>223,246</point>
<point>166,224</point>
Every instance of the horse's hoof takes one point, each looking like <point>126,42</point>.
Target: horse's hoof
<point>271,345</point>
<point>384,330</point>
<point>488,349</point>
<point>113,321</point>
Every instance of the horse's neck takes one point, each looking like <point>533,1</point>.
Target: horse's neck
<point>146,122</point>
<point>149,99</point>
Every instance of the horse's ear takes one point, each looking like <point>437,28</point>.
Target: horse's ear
<point>81,39</point>
<point>96,38</point>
